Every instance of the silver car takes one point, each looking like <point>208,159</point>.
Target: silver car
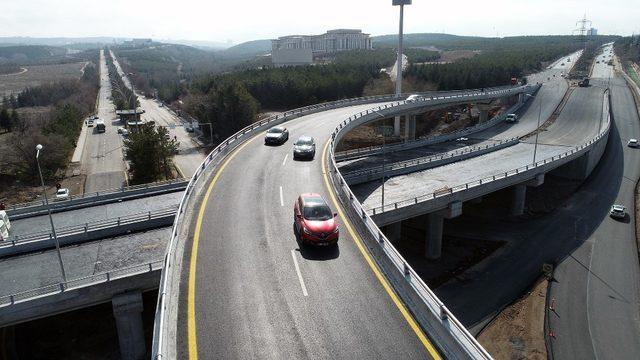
<point>305,147</point>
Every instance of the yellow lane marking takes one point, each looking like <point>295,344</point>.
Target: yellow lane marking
<point>403,310</point>
<point>191,305</point>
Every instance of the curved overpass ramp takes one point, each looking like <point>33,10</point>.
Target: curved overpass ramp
<point>244,288</point>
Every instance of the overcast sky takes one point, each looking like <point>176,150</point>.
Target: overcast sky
<point>243,20</point>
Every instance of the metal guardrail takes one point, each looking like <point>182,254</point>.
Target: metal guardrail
<point>88,227</point>
<point>400,267</point>
<point>425,160</point>
<point>95,194</point>
<point>57,288</point>
<point>160,347</point>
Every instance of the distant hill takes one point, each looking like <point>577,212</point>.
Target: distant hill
<point>200,44</point>
<point>55,41</point>
<point>249,49</point>
<point>23,55</point>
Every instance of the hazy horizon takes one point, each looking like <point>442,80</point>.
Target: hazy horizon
<point>199,20</point>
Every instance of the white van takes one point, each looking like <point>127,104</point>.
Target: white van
<point>511,118</point>
<point>5,225</point>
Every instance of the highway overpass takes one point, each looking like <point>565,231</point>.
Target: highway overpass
<point>238,245</point>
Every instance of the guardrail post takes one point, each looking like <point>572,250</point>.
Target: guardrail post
<point>11,299</point>
<point>443,313</point>
<point>406,270</point>
<point>150,268</point>
<point>118,220</point>
<point>364,214</point>
<point>149,214</point>
<point>86,227</point>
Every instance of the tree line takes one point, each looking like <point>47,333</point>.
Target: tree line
<point>56,125</point>
<point>123,98</point>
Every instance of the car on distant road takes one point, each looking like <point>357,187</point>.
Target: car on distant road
<point>62,194</point>
<point>161,104</point>
<point>617,212</point>
<point>632,143</point>
<point>189,129</point>
<point>314,222</point>
<point>511,118</point>
<point>462,139</point>
<point>413,98</point>
<point>276,135</point>
<point>304,147</point>
<point>123,131</point>
<point>90,123</point>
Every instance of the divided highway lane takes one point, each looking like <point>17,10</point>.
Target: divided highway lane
<point>249,291</point>
<point>597,290</point>
<point>102,159</point>
<point>189,157</point>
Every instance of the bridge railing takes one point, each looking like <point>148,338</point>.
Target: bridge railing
<point>59,287</point>
<point>164,334</point>
<point>96,194</point>
<point>88,227</point>
<point>415,293</point>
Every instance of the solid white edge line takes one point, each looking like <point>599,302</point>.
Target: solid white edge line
<point>295,263</point>
<point>285,159</point>
<point>281,199</point>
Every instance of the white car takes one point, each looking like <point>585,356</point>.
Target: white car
<point>62,194</point>
<point>617,212</point>
<point>123,131</point>
<point>511,118</point>
<point>90,123</point>
<point>462,139</point>
<point>413,98</point>
<point>632,143</point>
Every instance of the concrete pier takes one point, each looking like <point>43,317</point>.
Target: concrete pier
<point>127,309</point>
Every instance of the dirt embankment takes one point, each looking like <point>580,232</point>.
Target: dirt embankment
<point>518,332</point>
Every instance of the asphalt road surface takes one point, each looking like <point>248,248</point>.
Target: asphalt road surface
<point>256,293</point>
<point>103,159</point>
<point>189,156</point>
<point>597,290</point>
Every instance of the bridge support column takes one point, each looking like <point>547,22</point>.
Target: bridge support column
<point>484,112</point>
<point>409,127</point>
<point>435,222</point>
<point>394,231</point>
<point>519,194</point>
<point>127,309</point>
<point>517,200</point>
<point>396,126</point>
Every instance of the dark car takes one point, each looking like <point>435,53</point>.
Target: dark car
<point>276,135</point>
<point>305,148</point>
<point>315,224</point>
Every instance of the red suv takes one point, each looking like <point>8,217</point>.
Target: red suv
<point>314,221</point>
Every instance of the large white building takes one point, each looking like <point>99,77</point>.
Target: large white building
<point>298,46</point>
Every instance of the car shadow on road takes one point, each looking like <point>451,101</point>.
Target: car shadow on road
<point>317,253</point>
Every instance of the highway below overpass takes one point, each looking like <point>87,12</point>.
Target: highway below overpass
<point>597,288</point>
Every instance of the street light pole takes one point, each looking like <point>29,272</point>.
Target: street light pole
<point>46,201</point>
<point>535,147</point>
<point>399,58</point>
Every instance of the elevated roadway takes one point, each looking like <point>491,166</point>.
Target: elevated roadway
<point>247,289</point>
